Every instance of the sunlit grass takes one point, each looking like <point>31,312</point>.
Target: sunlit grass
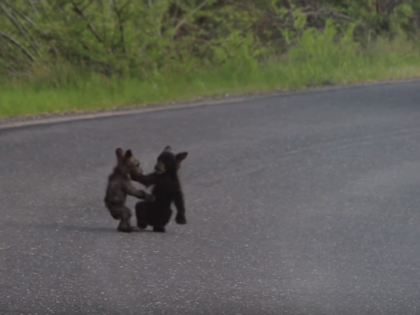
<point>315,61</point>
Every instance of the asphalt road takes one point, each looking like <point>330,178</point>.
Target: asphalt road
<point>298,204</point>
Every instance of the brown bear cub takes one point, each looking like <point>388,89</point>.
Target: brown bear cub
<point>167,189</point>
<point>119,186</point>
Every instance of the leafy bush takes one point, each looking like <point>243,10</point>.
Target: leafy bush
<point>80,54</point>
<point>151,38</point>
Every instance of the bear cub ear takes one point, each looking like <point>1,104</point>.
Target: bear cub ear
<point>128,154</point>
<point>168,148</point>
<point>119,152</point>
<point>181,156</point>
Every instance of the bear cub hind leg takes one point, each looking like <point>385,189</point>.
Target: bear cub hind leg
<point>141,215</point>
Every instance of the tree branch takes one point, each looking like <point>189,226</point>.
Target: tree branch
<point>19,45</point>
<point>16,11</point>
<point>121,22</point>
<point>18,27</point>
<point>80,12</point>
<point>182,22</point>
<point>33,6</point>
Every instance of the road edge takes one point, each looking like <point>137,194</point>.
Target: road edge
<point>54,118</point>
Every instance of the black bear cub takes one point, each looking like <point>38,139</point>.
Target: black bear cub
<point>119,186</point>
<point>167,189</point>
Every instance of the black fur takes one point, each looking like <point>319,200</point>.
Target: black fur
<point>167,190</point>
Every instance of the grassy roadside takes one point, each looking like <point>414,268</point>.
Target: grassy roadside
<point>311,63</point>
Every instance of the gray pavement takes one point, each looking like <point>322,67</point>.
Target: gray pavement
<point>297,204</point>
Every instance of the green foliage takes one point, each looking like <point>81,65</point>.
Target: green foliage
<point>315,60</point>
<point>319,50</point>
<point>149,38</point>
<point>69,54</point>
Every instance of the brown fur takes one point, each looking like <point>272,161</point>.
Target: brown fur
<point>119,186</point>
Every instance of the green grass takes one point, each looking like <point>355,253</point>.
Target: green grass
<point>315,61</point>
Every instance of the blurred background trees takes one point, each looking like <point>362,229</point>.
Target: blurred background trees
<point>145,38</point>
